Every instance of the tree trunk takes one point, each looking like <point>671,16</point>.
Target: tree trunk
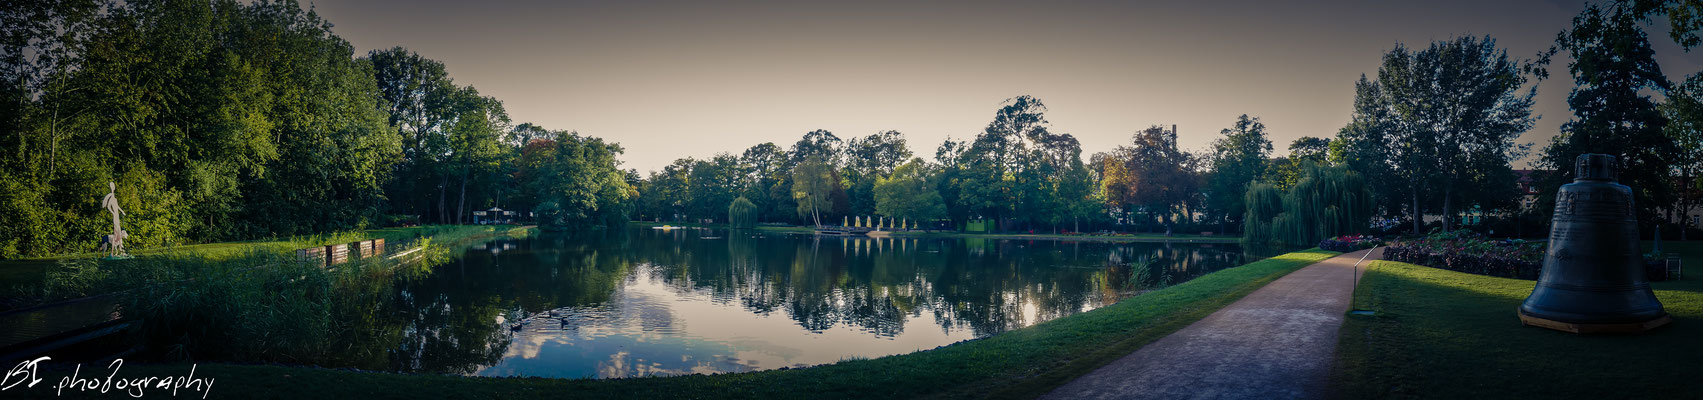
<point>461,205</point>
<point>1448,208</point>
<point>443,189</point>
<point>1417,215</point>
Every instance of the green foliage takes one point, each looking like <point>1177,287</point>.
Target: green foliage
<point>1327,202</point>
<point>1613,66</point>
<point>1152,175</point>
<point>1684,111</point>
<point>1264,204</point>
<point>576,181</point>
<point>812,184</point>
<point>1447,118</point>
<point>1012,170</point>
<point>909,194</point>
<point>254,120</point>
<point>1237,159</point>
<point>742,214</point>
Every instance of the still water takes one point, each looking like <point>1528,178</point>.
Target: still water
<point>644,302</point>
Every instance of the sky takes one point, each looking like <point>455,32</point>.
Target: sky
<point>679,79</point>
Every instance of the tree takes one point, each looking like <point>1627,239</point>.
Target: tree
<point>1363,145</point>
<point>666,192</point>
<point>869,159</point>
<point>878,154</point>
<point>820,144</point>
<point>1265,203</point>
<point>949,155</point>
<point>1684,110</point>
<point>1286,172</point>
<point>741,214</point>
<point>812,183</point>
<point>909,194</point>
<point>1238,159</point>
<point>712,184</point>
<point>1011,170</point>
<point>475,142</point>
<point>1078,196</point>
<point>422,105</point>
<point>1450,115</point>
<point>1150,173</point>
<point>1327,202</point>
<point>525,133</point>
<point>765,168</point>
<point>580,184</point>
<point>1612,66</point>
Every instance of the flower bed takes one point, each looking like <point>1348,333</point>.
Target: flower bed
<point>1472,253</point>
<point>1344,244</point>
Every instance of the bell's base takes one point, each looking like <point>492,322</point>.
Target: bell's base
<point>1630,327</point>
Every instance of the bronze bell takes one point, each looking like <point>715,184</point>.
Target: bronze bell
<point>1593,276</point>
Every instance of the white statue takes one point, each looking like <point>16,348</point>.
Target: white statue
<point>114,243</point>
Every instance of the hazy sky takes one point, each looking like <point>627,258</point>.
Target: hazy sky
<point>691,79</point>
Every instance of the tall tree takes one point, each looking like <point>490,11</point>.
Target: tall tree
<point>1363,145</point>
<point>765,168</point>
<point>1238,159</point>
<point>812,184</point>
<point>1453,112</point>
<point>1011,168</point>
<point>1612,66</point>
<point>422,104</point>
<point>475,141</point>
<point>1150,174</point>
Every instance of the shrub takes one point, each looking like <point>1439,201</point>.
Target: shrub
<point>1470,252</point>
<point>1344,244</point>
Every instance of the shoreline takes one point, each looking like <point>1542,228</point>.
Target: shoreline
<point>1138,238</point>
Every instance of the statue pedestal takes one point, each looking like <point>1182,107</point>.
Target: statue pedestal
<point>1630,327</point>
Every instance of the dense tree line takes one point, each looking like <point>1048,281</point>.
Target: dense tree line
<point>226,120</point>
<point>223,120</point>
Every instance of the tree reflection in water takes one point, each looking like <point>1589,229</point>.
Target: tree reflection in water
<point>649,302</point>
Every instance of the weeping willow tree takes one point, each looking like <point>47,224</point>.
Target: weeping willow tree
<point>1327,202</point>
<point>742,214</point>
<point>1264,204</point>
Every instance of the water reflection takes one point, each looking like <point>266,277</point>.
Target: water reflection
<point>646,302</point>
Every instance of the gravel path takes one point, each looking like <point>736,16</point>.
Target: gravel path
<point>1278,342</point>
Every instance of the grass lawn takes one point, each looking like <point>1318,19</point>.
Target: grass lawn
<point>1022,363</point>
<point>1445,334</point>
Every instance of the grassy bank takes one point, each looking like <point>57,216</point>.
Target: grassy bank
<point>1445,334</point>
<point>1018,364</point>
<point>28,282</point>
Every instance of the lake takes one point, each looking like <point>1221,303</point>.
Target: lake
<point>647,302</point>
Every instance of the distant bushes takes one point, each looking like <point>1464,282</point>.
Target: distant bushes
<point>1344,244</point>
<point>1470,252</point>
